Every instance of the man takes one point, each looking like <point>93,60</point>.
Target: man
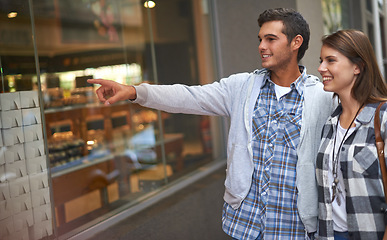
<point>276,116</point>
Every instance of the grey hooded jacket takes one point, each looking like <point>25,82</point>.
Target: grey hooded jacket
<point>234,97</point>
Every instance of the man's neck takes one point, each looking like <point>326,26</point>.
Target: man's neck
<point>285,77</point>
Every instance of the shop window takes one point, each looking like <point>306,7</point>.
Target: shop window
<point>101,158</point>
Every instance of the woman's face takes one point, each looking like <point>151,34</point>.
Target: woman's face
<point>337,71</point>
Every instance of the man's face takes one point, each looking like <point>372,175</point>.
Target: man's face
<point>274,48</point>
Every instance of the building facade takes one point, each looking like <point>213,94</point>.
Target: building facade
<point>70,166</point>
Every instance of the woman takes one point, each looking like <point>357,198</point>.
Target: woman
<point>348,172</point>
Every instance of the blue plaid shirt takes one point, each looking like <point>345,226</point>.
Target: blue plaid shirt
<point>270,209</point>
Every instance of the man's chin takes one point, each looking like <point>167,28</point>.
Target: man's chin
<point>267,66</point>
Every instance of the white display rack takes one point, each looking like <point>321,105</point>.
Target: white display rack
<point>25,205</point>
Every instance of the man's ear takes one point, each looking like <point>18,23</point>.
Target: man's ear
<point>297,42</point>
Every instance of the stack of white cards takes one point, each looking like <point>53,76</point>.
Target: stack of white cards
<point>25,206</point>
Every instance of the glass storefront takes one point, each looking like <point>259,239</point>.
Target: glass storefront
<point>67,161</point>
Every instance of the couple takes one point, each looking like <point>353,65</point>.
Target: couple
<point>283,127</point>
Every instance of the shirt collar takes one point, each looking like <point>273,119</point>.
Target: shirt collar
<point>298,84</point>
<point>364,117</point>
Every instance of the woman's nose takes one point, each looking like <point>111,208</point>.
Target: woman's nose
<point>321,68</point>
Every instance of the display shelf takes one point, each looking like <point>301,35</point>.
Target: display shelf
<point>80,163</point>
<point>90,122</point>
<point>80,106</point>
<point>141,157</point>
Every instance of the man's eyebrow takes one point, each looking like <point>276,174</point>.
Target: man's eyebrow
<point>269,35</point>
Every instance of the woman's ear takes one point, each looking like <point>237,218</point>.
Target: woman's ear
<point>356,71</point>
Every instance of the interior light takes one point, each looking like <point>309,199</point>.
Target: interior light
<point>149,4</point>
<point>12,14</point>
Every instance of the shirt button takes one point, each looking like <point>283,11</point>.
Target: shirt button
<point>274,121</point>
<point>267,169</point>
<point>264,197</point>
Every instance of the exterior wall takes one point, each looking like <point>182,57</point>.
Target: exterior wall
<point>312,12</point>
<point>356,11</point>
<point>238,43</point>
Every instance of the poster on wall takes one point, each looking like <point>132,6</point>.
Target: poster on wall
<point>89,21</point>
<point>332,15</point>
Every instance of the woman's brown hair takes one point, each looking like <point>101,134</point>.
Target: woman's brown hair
<point>369,86</point>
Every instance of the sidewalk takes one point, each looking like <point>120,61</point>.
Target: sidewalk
<point>192,213</point>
